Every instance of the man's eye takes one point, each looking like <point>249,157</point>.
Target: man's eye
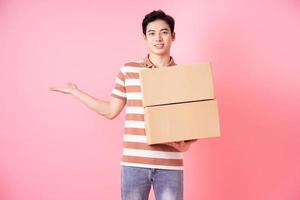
<point>151,34</point>
<point>165,32</point>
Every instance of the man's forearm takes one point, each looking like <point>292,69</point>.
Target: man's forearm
<point>100,106</point>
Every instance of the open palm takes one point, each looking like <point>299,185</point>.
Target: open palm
<point>69,89</point>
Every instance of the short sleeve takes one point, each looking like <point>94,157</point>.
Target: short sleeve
<point>119,90</point>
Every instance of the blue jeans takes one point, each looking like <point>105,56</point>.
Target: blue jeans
<point>136,183</point>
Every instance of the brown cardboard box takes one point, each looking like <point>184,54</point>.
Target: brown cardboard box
<point>184,121</point>
<point>179,103</point>
<point>175,84</point>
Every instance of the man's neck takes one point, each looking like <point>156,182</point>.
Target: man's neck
<point>160,60</point>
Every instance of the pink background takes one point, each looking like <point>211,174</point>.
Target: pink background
<point>52,147</point>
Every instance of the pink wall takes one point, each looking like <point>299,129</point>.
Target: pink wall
<point>54,148</point>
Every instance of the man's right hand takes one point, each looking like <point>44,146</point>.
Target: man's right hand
<point>109,109</point>
<point>71,88</point>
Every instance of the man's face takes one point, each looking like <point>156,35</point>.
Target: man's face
<point>158,37</point>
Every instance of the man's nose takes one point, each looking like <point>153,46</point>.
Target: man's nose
<point>158,37</point>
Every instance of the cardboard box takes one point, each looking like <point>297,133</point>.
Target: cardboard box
<point>184,121</point>
<point>179,103</point>
<point>176,84</point>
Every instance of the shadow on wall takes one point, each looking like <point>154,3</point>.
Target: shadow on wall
<point>5,191</point>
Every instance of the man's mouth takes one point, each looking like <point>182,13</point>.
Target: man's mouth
<point>159,46</point>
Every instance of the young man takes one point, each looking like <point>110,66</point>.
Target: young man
<point>143,165</point>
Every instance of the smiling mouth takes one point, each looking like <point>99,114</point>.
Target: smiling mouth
<point>159,46</point>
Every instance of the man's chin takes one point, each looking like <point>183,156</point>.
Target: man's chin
<point>159,53</point>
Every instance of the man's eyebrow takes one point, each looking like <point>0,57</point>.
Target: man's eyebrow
<point>163,29</point>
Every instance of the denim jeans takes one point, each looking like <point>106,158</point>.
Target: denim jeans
<point>136,183</point>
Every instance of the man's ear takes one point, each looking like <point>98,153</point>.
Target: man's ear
<point>145,39</point>
<point>173,36</point>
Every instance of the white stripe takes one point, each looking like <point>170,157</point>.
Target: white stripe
<point>152,166</point>
<point>134,124</point>
<point>119,93</point>
<point>134,138</point>
<point>152,154</point>
<point>119,81</point>
<point>127,69</point>
<point>122,70</point>
<point>135,109</point>
<point>134,95</point>
<point>132,82</point>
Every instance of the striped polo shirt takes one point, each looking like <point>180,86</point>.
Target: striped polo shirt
<point>136,152</point>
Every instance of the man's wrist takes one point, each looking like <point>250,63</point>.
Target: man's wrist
<point>76,92</point>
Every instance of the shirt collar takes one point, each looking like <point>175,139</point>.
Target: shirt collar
<point>149,64</point>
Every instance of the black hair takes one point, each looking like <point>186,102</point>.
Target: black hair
<point>155,15</point>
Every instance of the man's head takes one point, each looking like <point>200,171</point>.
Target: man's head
<point>158,31</point>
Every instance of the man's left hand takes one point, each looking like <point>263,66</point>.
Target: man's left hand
<point>181,145</point>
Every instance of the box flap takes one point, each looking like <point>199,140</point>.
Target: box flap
<point>176,84</point>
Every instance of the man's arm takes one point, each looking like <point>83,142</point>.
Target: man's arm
<point>182,145</point>
<point>109,109</point>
